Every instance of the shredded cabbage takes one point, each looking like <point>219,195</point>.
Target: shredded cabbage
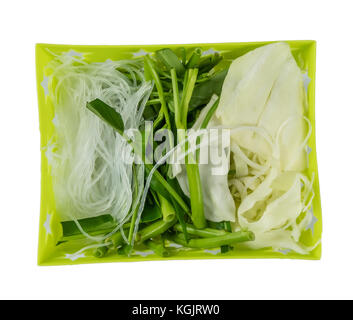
<point>263,101</point>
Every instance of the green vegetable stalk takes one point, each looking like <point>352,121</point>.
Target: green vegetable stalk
<point>116,239</point>
<point>158,248</point>
<point>168,211</point>
<point>192,169</point>
<point>154,229</point>
<point>196,198</point>
<point>203,233</point>
<point>214,242</point>
<point>162,183</point>
<point>160,226</point>
<point>101,252</point>
<point>153,75</point>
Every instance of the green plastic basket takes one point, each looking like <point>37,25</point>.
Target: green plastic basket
<point>50,230</point>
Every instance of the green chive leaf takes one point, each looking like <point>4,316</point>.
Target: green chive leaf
<point>107,114</point>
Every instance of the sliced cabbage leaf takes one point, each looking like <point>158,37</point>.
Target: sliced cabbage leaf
<point>246,90</point>
<point>278,213</point>
<point>283,114</point>
<point>248,84</point>
<point>264,88</point>
<point>277,227</point>
<point>259,194</point>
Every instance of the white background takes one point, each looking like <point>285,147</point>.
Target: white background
<point>24,23</point>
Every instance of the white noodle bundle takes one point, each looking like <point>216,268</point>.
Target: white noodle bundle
<point>90,176</point>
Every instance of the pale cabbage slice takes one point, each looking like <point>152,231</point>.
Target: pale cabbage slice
<point>249,83</point>
<point>283,114</point>
<point>278,213</point>
<point>277,227</point>
<point>259,194</point>
<point>246,90</point>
